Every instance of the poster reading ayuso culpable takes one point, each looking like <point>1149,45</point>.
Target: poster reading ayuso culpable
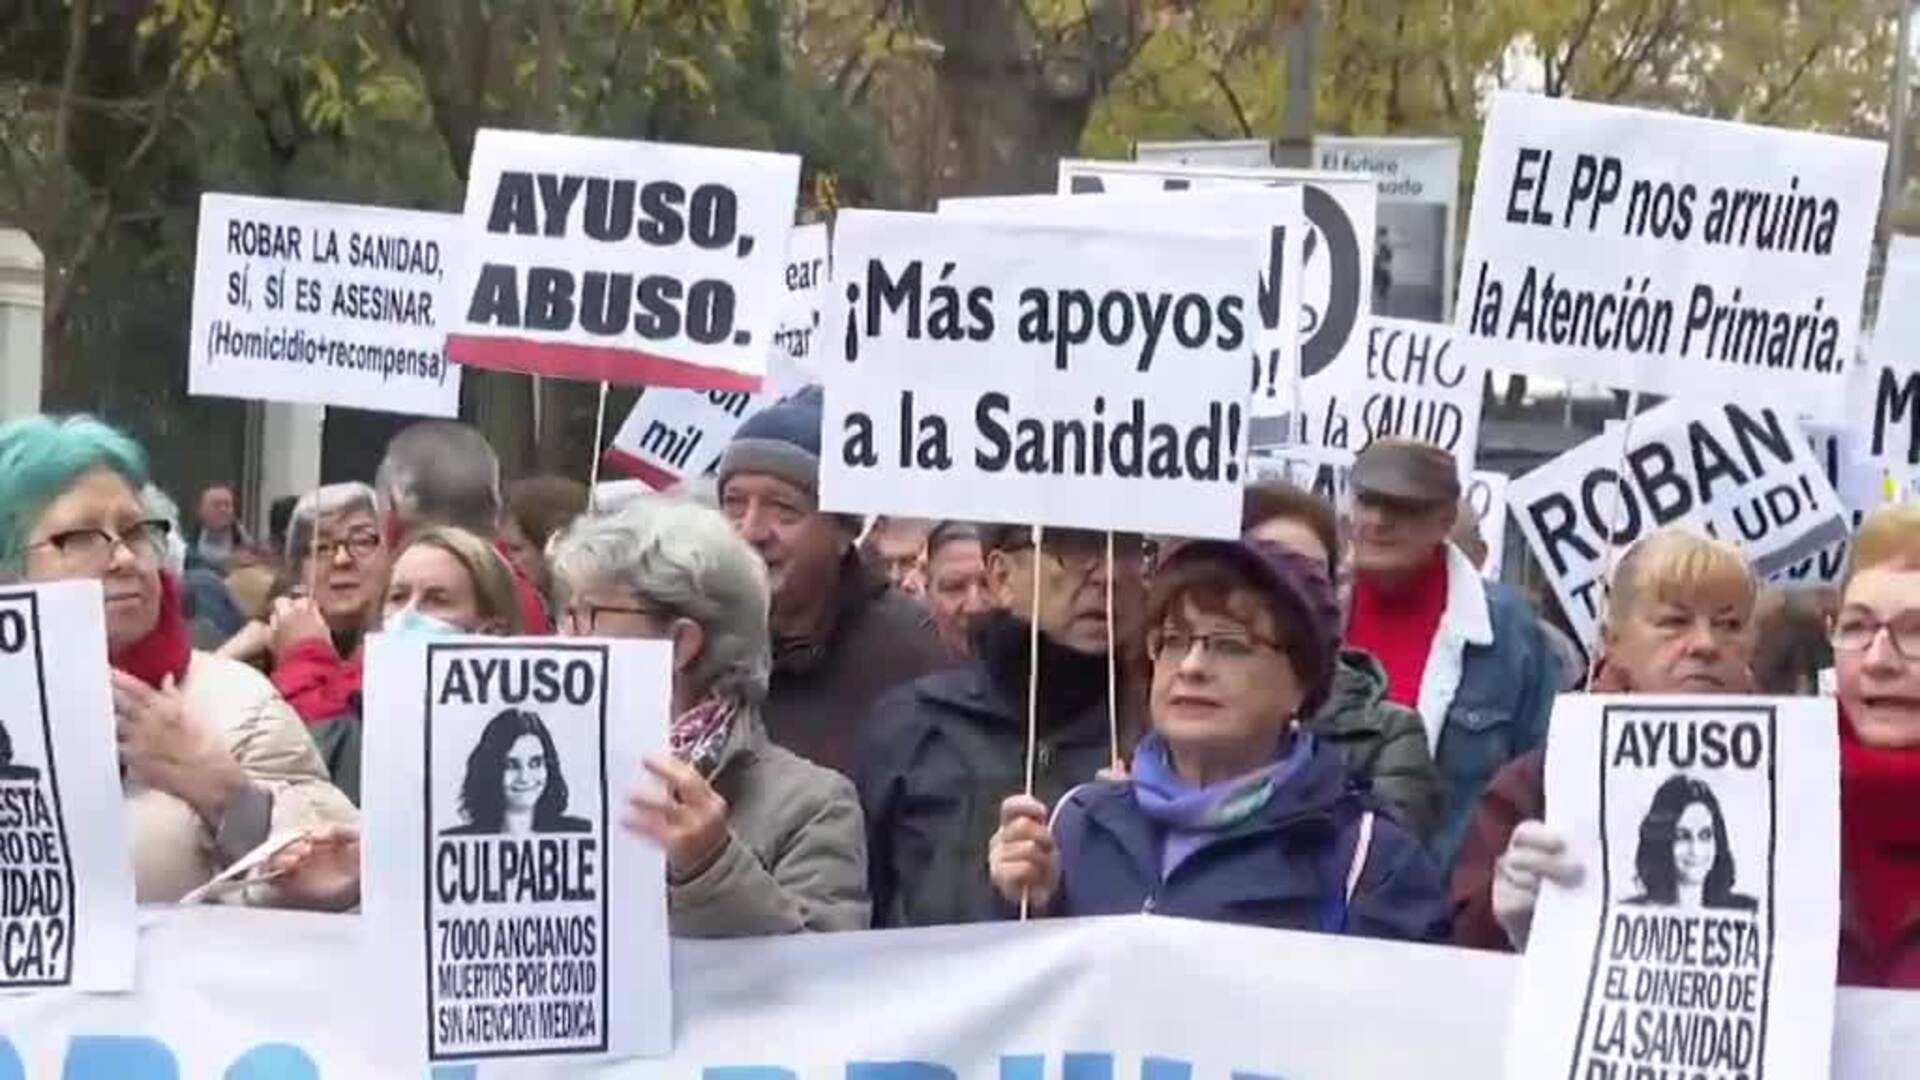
<point>517,917</point>
<point>1672,254</point>
<point>1700,942</point>
<point>1082,377</point>
<point>66,884</point>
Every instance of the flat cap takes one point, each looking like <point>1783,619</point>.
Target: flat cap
<point>1408,470</point>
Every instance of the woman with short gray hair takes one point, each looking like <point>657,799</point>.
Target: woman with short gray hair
<point>758,840</point>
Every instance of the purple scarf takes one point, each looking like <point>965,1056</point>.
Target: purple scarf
<point>1192,817</point>
<point>699,734</point>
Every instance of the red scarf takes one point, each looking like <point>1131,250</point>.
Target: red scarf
<point>1879,863</point>
<point>167,648</point>
<point>1397,625</point>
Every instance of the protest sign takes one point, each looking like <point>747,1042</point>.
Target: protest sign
<point>1336,265</point>
<point>1862,488</point>
<point>1745,474</point>
<point>66,882</point>
<point>1423,381</point>
<point>323,304</point>
<point>1892,390</point>
<point>620,261</point>
<point>1419,203</point>
<point>1701,941</point>
<point>672,434</point>
<point>1275,350</point>
<point>512,915</point>
<point>1669,253</point>
<point>1091,378</point>
<point>1487,494</point>
<point>1213,153</point>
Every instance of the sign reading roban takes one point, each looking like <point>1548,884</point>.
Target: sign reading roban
<point>1744,474</point>
<point>1093,378</point>
<point>516,915</point>
<point>323,304</point>
<point>1700,941</point>
<point>66,883</point>
<point>1669,253</point>
<point>619,261</point>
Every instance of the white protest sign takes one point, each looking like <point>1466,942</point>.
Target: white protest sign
<point>1701,940</point>
<point>1744,474</point>
<point>1487,494</point>
<point>1423,381</point>
<point>66,883</point>
<point>1090,378</point>
<point>1862,488</point>
<point>1892,390</point>
<point>1275,349</point>
<point>673,434</point>
<point>1336,266</point>
<point>323,304</point>
<point>1669,253</point>
<point>1419,202</point>
<point>621,261</point>
<point>510,913</point>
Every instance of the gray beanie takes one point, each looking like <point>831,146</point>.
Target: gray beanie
<point>781,440</point>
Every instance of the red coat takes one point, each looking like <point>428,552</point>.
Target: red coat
<point>1879,865</point>
<point>1517,793</point>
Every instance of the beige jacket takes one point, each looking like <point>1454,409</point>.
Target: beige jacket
<point>797,857</point>
<point>173,850</point>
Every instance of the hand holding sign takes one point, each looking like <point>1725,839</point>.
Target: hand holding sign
<point>1021,857</point>
<point>166,747</point>
<point>689,820</point>
<point>1535,853</point>
<point>321,870</point>
<point>296,620</point>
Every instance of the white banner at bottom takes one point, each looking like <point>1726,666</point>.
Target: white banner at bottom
<point>252,995</point>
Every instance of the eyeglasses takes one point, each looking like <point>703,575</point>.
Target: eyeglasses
<point>585,618</point>
<point>1083,550</point>
<point>1857,633</point>
<point>146,541</point>
<point>359,546</point>
<point>1233,646</point>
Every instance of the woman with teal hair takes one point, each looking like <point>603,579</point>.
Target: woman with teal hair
<point>214,761</point>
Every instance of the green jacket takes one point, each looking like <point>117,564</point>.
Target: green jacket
<point>1383,741</point>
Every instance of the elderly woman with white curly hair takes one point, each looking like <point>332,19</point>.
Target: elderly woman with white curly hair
<point>758,840</point>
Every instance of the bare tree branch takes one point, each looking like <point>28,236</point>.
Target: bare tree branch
<point>79,21</point>
<point>60,303</point>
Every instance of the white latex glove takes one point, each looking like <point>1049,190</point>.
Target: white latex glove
<point>1535,852</point>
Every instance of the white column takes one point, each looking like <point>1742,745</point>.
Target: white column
<point>23,288</point>
<point>289,455</point>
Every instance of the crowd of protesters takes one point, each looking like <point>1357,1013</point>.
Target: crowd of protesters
<point>1333,724</point>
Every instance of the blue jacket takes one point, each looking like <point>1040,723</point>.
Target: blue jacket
<point>1285,867</point>
<point>1498,712</point>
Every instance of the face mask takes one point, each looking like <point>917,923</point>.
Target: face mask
<point>410,621</point>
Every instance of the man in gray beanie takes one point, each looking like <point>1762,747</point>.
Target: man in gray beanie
<point>841,637</point>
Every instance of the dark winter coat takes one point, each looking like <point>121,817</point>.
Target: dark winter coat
<point>944,752</point>
<point>1380,740</point>
<point>1285,867</point>
<point>821,692</point>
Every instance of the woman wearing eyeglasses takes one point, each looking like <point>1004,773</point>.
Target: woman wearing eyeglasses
<point>214,760</point>
<point>1876,652</point>
<point>1234,811</point>
<point>758,840</point>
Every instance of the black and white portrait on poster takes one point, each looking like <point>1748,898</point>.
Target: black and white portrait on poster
<point>66,885</point>
<point>528,912</point>
<point>1700,943</point>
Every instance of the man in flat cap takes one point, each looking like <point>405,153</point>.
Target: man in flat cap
<point>1464,653</point>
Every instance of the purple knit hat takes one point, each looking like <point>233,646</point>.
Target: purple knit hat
<point>1299,589</point>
